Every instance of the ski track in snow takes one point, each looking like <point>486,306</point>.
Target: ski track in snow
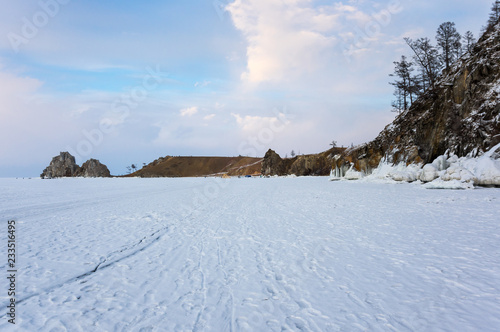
<point>300,254</point>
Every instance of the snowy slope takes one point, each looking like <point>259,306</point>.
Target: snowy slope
<point>251,255</point>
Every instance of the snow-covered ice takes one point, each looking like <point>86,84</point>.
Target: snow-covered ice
<point>251,255</point>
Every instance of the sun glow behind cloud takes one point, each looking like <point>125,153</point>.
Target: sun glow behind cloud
<point>284,38</point>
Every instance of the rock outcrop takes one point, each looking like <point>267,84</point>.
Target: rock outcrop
<point>459,116</point>
<point>93,168</point>
<point>273,164</point>
<point>64,165</point>
<point>312,164</point>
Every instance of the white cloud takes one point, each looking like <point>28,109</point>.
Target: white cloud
<point>283,38</point>
<point>297,40</point>
<point>190,111</point>
<point>202,84</point>
<point>219,106</point>
<point>209,117</point>
<point>252,124</point>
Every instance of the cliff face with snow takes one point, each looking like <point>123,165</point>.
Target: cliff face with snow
<point>460,115</point>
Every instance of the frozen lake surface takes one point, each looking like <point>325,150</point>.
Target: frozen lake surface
<point>294,254</point>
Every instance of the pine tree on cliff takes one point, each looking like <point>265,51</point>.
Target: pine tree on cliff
<point>469,41</point>
<point>406,86</point>
<point>448,40</point>
<point>495,14</point>
<point>426,56</point>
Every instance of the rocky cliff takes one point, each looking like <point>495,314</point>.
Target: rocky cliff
<point>460,115</point>
<point>64,165</point>
<point>313,164</point>
<point>93,168</point>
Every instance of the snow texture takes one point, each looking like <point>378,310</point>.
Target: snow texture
<point>294,254</point>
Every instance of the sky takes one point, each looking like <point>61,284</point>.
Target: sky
<point>127,82</point>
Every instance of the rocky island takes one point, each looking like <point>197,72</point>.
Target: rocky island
<point>64,165</point>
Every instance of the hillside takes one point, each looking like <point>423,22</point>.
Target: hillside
<point>460,115</point>
<point>200,166</point>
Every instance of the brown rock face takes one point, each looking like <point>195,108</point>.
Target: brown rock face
<point>315,164</point>
<point>92,168</point>
<point>63,165</point>
<point>273,164</point>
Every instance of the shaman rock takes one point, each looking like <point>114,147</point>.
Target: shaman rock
<point>63,165</point>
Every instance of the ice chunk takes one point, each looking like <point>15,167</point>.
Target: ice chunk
<point>487,168</point>
<point>429,173</point>
<point>440,163</point>
<point>457,172</point>
<point>405,173</point>
<point>352,174</point>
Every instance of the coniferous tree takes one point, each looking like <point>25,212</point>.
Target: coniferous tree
<point>430,61</point>
<point>495,14</point>
<point>397,104</point>
<point>426,56</point>
<point>415,88</point>
<point>405,84</point>
<point>469,41</point>
<point>458,49</point>
<point>448,40</point>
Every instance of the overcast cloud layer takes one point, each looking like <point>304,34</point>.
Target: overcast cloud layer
<point>128,82</point>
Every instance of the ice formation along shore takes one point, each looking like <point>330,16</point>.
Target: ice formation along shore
<point>445,172</point>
